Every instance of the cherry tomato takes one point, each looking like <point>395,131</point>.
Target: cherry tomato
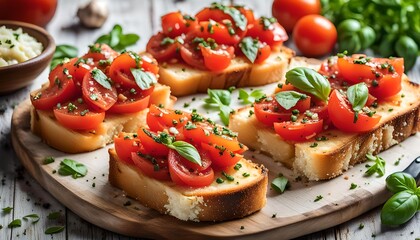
<point>76,115</point>
<point>100,51</point>
<point>74,69</point>
<point>219,58</point>
<point>268,111</point>
<point>221,157</point>
<point>59,92</point>
<point>342,116</point>
<point>298,131</point>
<point>131,101</point>
<point>192,56</point>
<point>120,69</point>
<point>156,168</point>
<point>150,145</point>
<point>314,35</point>
<point>97,96</point>
<point>263,53</point>
<point>125,145</point>
<point>217,31</point>
<point>38,12</point>
<point>159,119</point>
<point>288,12</point>
<point>175,24</point>
<point>268,32</point>
<point>162,52</point>
<point>181,175</point>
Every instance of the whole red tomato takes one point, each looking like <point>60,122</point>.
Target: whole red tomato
<point>288,12</point>
<point>314,35</point>
<point>38,12</point>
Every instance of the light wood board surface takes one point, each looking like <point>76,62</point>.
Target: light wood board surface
<point>20,191</point>
<point>296,212</point>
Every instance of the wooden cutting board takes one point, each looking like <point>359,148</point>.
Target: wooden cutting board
<point>291,214</point>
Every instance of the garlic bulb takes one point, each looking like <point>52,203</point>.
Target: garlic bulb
<point>93,14</point>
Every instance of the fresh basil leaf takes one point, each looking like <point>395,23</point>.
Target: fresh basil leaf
<point>250,97</point>
<point>279,184</point>
<point>128,40</point>
<point>56,229</point>
<point>117,40</point>
<point>400,181</point>
<point>7,210</point>
<point>33,216</point>
<point>357,95</point>
<point>143,79</point>
<point>71,167</point>
<point>115,35</point>
<point>378,167</point>
<point>249,48</point>
<point>224,114</point>
<point>239,19</point>
<point>101,78</point>
<point>186,150</point>
<point>15,223</point>
<point>310,81</point>
<point>288,99</point>
<point>400,208</point>
<point>219,96</point>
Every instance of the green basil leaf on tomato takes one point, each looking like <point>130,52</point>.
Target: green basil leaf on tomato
<point>400,181</point>
<point>288,99</point>
<point>186,150</point>
<point>143,79</point>
<point>357,95</point>
<point>101,78</point>
<point>249,48</point>
<point>240,20</point>
<point>400,208</point>
<point>310,81</point>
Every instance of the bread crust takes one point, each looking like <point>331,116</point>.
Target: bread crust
<point>212,203</point>
<point>342,150</point>
<point>185,80</point>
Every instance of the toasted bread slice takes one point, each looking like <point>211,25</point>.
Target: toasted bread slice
<point>184,79</point>
<point>44,124</point>
<point>217,202</point>
<point>342,150</point>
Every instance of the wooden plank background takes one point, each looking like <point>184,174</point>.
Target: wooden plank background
<point>20,191</point>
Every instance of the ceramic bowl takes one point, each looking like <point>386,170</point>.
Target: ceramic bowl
<point>19,75</point>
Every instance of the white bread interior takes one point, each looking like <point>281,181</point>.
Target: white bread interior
<point>185,80</point>
<point>342,150</point>
<point>44,124</point>
<point>217,202</point>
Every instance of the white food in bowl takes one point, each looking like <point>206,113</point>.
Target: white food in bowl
<point>17,46</point>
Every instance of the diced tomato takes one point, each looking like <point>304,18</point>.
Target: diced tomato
<point>263,53</point>
<point>131,101</point>
<point>217,31</point>
<point>59,92</point>
<point>268,111</point>
<point>217,59</point>
<point>97,96</point>
<point>74,69</point>
<point>274,34</point>
<point>181,175</point>
<point>126,144</point>
<point>342,116</point>
<point>100,51</point>
<point>298,131</point>
<point>76,115</point>
<point>151,146</point>
<point>175,24</point>
<point>160,118</point>
<point>221,157</point>
<point>192,55</point>
<point>162,50</point>
<point>156,168</point>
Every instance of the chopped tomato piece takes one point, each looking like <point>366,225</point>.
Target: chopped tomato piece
<point>151,146</point>
<point>97,96</point>
<point>263,53</point>
<point>76,115</point>
<point>131,101</point>
<point>217,31</point>
<point>175,24</point>
<point>162,50</point>
<point>160,118</point>
<point>342,116</point>
<point>221,157</point>
<point>125,145</point>
<point>156,168</point>
<point>273,34</point>
<point>299,130</point>
<point>181,175</point>
<point>100,51</point>
<point>217,59</point>
<point>59,92</point>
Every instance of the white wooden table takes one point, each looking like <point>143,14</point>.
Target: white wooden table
<point>20,191</point>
